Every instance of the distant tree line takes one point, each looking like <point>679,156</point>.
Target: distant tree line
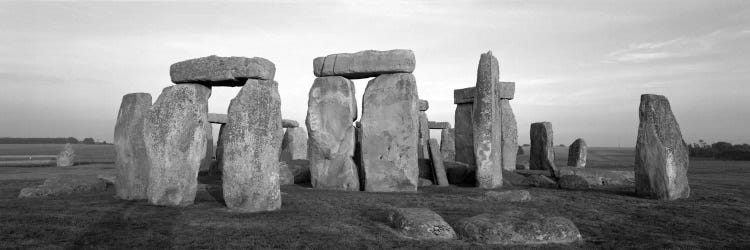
<point>58,140</point>
<point>720,150</point>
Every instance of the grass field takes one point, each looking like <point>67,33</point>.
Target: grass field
<point>717,215</point>
<point>85,153</point>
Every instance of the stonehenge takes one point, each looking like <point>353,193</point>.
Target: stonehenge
<point>577,153</point>
<point>542,155</point>
<point>222,71</point>
<point>365,64</point>
<point>130,158</point>
<point>661,155</point>
<point>487,124</point>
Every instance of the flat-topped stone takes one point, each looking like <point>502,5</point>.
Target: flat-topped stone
<point>438,125</point>
<point>222,71</point>
<point>364,64</point>
<point>602,176</point>
<point>504,90</point>
<point>420,223</point>
<point>286,123</point>
<point>465,95</point>
<point>217,118</point>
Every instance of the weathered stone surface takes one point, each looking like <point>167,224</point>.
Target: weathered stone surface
<point>286,176</point>
<point>509,135</point>
<point>331,108</point>
<point>217,118</point>
<point>540,181</point>
<point>64,185</point>
<point>424,105</point>
<point>420,223</point>
<point>460,173</point>
<point>487,125</point>
<point>424,182</point>
<point>286,123</point>
<point>464,133</point>
<point>661,155</point>
<point>215,169</point>
<point>503,90</point>
<point>389,133</point>
<point>600,176</point>
<point>437,163</point>
<point>294,144</point>
<point>300,169</point>
<point>517,228</point>
<point>176,141</point>
<point>447,144</point>
<point>465,95</point>
<point>67,156</point>
<point>438,125</point>
<point>574,182</point>
<point>364,64</point>
<point>208,159</point>
<point>542,156</point>
<point>577,153</point>
<point>507,196</point>
<point>131,160</point>
<point>507,90</point>
<point>423,150</point>
<point>513,178</point>
<point>222,71</point>
<point>251,148</point>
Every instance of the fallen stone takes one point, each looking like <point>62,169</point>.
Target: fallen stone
<point>574,182</point>
<point>286,176</point>
<point>424,182</point>
<point>509,136</point>
<point>577,153</point>
<point>437,163</point>
<point>294,144</point>
<point>222,71</point>
<point>424,105</point>
<point>64,185</point>
<point>286,123</point>
<point>389,133</point>
<point>131,160</point>
<point>447,145</point>
<point>661,155</point>
<point>542,147</point>
<point>528,172</point>
<point>487,125</point>
<point>109,179</point>
<point>601,176</point>
<point>217,118</point>
<point>364,64</point>
<point>540,181</point>
<point>507,196</point>
<point>512,178</point>
<point>176,141</point>
<point>460,173</point>
<point>330,112</point>
<point>517,228</point>
<point>251,150</point>
<point>464,133</point>
<point>67,156</point>
<point>420,223</point>
<point>438,125</point>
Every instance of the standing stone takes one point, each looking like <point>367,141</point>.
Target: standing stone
<point>294,145</point>
<point>222,71</point>
<point>364,64</point>
<point>389,133</point>
<point>542,156</point>
<point>464,133</point>
<point>437,163</point>
<point>250,161</point>
<point>509,135</point>
<point>487,125</point>
<point>176,141</point>
<point>131,159</point>
<point>661,155</point>
<point>577,153</point>
<point>447,145</point>
<point>208,160</point>
<point>331,109</point>
<point>67,156</point>
<point>423,149</point>
<point>358,156</point>
<point>215,169</point>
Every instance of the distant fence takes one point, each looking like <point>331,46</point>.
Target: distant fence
<point>27,160</point>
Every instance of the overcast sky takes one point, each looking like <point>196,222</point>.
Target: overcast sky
<point>582,65</point>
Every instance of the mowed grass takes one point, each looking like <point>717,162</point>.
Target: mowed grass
<point>85,153</point>
<point>715,216</point>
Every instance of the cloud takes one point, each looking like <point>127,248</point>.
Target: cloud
<point>682,47</point>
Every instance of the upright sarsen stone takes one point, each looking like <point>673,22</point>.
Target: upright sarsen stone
<point>294,144</point>
<point>250,161</point>
<point>215,169</point>
<point>487,124</point>
<point>331,109</point>
<point>176,141</point>
<point>131,159</point>
<point>364,64</point>
<point>464,133</point>
<point>577,153</point>
<point>447,145</point>
<point>423,149</point>
<point>509,135</point>
<point>542,156</point>
<point>661,155</point>
<point>389,133</point>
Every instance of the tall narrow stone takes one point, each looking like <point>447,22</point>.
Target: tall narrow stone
<point>509,135</point>
<point>208,159</point>
<point>577,153</point>
<point>294,144</point>
<point>423,149</point>
<point>464,133</point>
<point>131,159</point>
<point>176,141</point>
<point>215,169</point>
<point>250,161</point>
<point>487,124</point>
<point>542,156</point>
<point>331,109</point>
<point>390,121</point>
<point>661,155</point>
<point>447,144</point>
